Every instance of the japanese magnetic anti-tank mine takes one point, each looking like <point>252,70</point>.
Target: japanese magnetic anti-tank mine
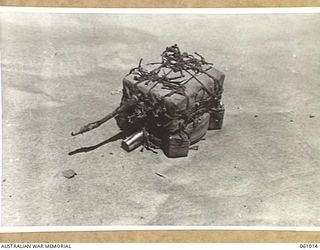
<point>170,104</point>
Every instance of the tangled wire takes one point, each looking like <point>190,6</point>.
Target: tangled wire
<point>172,59</point>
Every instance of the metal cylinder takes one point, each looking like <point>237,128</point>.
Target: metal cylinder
<point>133,141</point>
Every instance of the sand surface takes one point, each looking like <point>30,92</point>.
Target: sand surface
<point>61,71</point>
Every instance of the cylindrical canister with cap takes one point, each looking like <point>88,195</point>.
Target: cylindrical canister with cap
<point>133,141</point>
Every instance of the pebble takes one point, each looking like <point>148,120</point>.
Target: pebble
<point>69,173</point>
<point>116,92</point>
<point>161,175</point>
<point>194,148</point>
<point>311,116</point>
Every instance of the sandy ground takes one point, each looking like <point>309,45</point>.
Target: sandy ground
<point>61,71</point>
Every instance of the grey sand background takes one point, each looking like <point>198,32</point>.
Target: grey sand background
<point>61,71</point>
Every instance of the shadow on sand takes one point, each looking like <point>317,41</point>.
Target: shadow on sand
<point>120,135</point>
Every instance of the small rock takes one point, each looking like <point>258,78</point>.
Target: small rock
<point>111,153</point>
<point>115,92</point>
<point>194,148</point>
<point>4,180</point>
<point>10,195</point>
<point>311,116</point>
<point>161,175</point>
<point>255,115</point>
<point>291,120</point>
<point>141,217</point>
<point>69,173</point>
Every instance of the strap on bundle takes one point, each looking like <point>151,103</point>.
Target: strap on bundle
<point>175,61</point>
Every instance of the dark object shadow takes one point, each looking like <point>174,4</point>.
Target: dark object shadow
<point>120,135</point>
